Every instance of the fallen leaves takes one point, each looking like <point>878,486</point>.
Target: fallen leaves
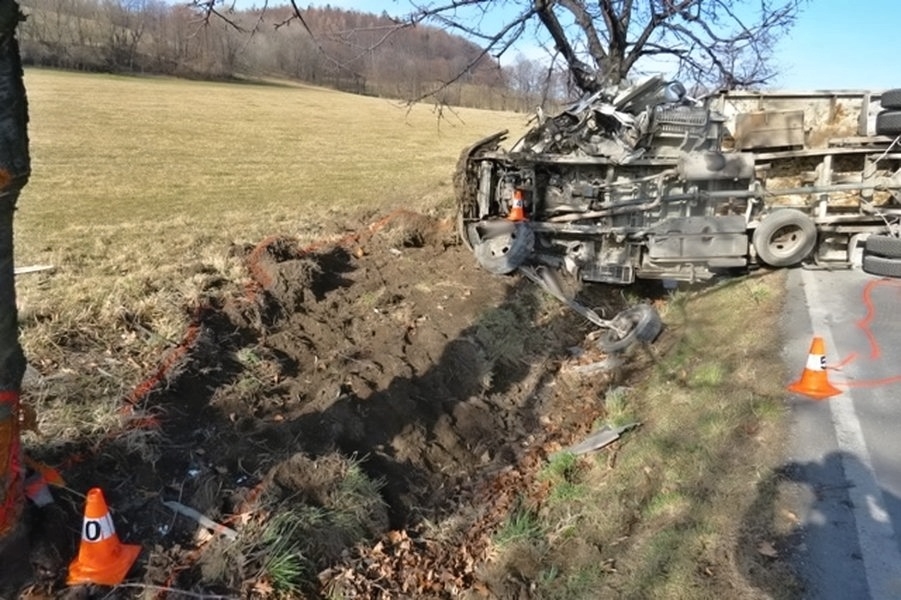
<point>408,563</point>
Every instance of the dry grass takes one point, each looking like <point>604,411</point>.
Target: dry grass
<point>679,513</point>
<point>243,159</point>
<point>312,510</point>
<point>142,186</point>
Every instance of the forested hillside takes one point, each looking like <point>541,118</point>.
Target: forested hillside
<point>349,50</point>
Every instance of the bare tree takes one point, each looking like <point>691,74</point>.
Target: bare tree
<point>14,171</point>
<point>713,43</point>
<point>709,43</point>
<point>535,83</point>
<point>125,22</point>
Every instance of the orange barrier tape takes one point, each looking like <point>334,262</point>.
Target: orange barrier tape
<point>11,476</point>
<point>871,383</point>
<point>169,361</point>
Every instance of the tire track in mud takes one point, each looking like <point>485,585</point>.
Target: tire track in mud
<point>425,389</point>
<point>394,372</point>
<point>391,348</point>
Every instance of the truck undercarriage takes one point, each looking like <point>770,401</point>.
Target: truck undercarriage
<point>650,184</point>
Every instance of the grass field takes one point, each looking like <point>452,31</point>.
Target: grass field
<point>140,186</point>
<point>232,159</point>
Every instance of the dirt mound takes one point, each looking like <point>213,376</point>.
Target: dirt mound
<point>382,387</point>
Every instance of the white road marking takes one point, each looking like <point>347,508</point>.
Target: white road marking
<point>878,545</point>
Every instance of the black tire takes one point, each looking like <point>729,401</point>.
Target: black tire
<point>891,99</point>
<point>785,238</point>
<point>879,265</point>
<point>888,122</point>
<point>504,252</point>
<point>642,323</point>
<point>883,245</point>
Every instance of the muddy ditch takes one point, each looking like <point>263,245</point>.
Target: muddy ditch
<point>384,381</point>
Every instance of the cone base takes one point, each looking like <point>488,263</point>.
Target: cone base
<point>110,572</point>
<point>820,392</point>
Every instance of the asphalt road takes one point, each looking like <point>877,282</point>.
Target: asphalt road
<point>845,451</point>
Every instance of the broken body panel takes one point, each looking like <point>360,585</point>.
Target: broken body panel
<point>651,184</point>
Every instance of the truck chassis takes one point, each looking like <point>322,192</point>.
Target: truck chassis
<point>648,183</point>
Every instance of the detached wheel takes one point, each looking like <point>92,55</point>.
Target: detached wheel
<point>879,265</point>
<point>785,238</point>
<point>504,252</point>
<point>891,99</point>
<point>641,323</point>
<point>883,245</point>
<point>888,122</point>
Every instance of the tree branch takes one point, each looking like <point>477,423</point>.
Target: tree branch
<point>586,23</point>
<point>341,66</point>
<point>584,76</point>
<point>655,21</point>
<point>518,23</point>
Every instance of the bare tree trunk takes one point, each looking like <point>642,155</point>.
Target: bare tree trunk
<point>14,171</point>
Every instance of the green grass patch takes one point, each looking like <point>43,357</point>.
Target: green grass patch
<point>283,561</point>
<point>618,412</point>
<point>679,513</point>
<point>564,473</point>
<point>312,512</point>
<point>522,525</point>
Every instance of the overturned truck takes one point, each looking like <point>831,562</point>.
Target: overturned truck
<point>649,183</point>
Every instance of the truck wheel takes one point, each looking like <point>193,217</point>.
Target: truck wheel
<point>883,245</point>
<point>888,122</point>
<point>878,265</point>
<point>504,252</point>
<point>642,324</point>
<point>891,99</point>
<point>785,238</point>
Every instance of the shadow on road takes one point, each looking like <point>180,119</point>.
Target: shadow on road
<point>800,537</point>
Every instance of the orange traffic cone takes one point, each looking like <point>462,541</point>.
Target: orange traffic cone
<point>101,559</point>
<point>517,211</point>
<point>814,382</point>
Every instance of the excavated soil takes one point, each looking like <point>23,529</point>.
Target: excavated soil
<point>390,350</point>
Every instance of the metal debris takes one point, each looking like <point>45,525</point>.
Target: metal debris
<point>600,439</point>
<point>203,520</point>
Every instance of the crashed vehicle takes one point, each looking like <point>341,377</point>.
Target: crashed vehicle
<point>648,183</point>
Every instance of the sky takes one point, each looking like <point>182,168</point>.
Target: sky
<point>836,44</point>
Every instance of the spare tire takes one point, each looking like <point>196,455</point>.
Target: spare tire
<point>641,323</point>
<point>883,245</point>
<point>785,237</point>
<point>888,122</point>
<point>505,251</point>
<point>878,265</point>
<point>891,99</point>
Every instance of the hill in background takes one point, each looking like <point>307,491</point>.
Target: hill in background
<point>345,49</point>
